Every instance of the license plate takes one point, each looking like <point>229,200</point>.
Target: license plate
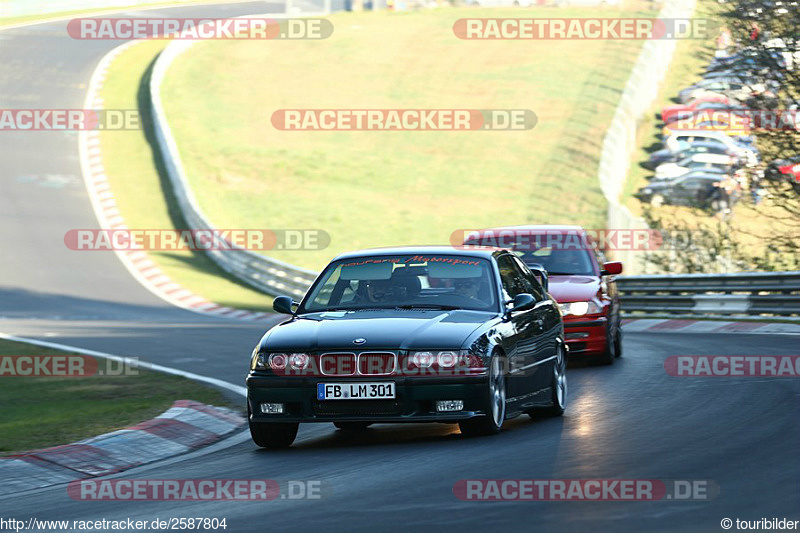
<point>356,391</point>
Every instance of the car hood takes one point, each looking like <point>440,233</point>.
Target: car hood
<point>573,288</point>
<point>382,329</point>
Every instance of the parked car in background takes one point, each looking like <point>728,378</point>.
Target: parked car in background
<point>579,278</point>
<point>785,170</point>
<point>666,155</point>
<point>694,191</point>
<point>742,146</point>
<point>697,162</point>
<point>730,87</point>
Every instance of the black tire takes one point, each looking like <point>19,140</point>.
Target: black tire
<point>352,426</point>
<point>613,345</point>
<point>273,435</point>
<point>618,342</point>
<point>558,389</point>
<point>494,402</point>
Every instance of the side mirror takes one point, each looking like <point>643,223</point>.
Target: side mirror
<point>522,301</point>
<point>283,304</point>
<point>612,268</point>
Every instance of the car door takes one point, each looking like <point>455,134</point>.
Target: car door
<point>682,192</point>
<point>691,191</point>
<point>547,319</point>
<point>521,346</point>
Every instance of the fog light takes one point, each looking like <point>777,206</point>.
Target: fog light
<point>577,335</point>
<point>449,405</point>
<point>272,408</point>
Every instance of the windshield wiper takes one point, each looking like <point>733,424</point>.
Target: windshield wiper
<point>354,309</point>
<point>429,306</point>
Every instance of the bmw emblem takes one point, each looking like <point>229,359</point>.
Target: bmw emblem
<point>360,340</point>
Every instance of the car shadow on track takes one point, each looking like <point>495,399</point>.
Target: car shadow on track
<point>325,436</point>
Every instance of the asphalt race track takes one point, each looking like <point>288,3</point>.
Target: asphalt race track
<point>627,421</point>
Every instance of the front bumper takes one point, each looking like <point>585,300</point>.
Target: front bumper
<point>415,399</point>
<point>586,335</point>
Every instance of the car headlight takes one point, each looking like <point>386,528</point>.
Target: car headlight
<point>580,308</point>
<point>445,359</point>
<point>278,361</point>
<point>647,190</point>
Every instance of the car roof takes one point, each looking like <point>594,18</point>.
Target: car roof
<point>700,177</point>
<point>485,252</point>
<point>537,227</point>
<point>705,144</point>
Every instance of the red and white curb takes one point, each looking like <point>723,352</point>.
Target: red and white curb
<point>143,269</point>
<point>186,426</point>
<point>680,325</point>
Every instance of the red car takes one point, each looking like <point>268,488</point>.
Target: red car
<point>785,169</point>
<point>673,112</point>
<point>578,277</point>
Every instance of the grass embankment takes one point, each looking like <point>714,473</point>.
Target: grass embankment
<point>143,193</point>
<point>383,188</point>
<point>47,411</point>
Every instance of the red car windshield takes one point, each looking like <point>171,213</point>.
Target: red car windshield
<point>559,262</point>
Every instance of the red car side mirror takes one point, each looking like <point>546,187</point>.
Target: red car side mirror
<point>612,268</point>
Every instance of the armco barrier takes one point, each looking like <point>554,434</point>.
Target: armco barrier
<point>746,294</point>
<point>262,273</point>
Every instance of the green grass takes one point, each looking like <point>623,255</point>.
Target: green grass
<point>47,411</point>
<point>143,193</point>
<point>392,188</point>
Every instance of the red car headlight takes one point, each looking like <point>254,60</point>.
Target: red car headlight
<point>590,307</point>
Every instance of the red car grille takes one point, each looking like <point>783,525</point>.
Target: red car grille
<point>337,364</point>
<point>376,363</point>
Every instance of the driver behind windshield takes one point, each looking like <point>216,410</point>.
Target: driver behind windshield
<point>376,290</point>
<point>467,287</point>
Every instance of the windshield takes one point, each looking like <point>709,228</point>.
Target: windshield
<point>405,281</point>
<point>559,261</point>
<point>567,253</point>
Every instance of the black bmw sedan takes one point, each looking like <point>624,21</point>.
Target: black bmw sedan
<point>423,334</point>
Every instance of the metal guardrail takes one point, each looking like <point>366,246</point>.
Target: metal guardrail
<point>262,273</point>
<point>730,295</point>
